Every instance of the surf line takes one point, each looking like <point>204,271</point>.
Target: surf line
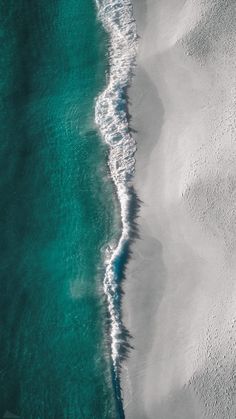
<point>111,116</point>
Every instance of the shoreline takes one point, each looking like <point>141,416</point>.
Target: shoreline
<point>179,293</point>
<point>111,116</point>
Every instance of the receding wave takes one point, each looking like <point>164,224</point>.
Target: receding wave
<point>112,118</point>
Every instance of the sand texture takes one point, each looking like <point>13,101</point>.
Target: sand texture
<point>180,291</point>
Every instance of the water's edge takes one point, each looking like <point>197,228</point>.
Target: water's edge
<point>111,116</point>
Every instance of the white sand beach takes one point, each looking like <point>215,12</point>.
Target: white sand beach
<point>180,291</point>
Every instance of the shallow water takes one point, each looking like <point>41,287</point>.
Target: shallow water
<point>56,212</point>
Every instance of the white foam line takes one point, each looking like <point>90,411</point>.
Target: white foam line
<point>111,117</point>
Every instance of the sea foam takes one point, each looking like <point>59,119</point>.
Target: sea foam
<point>112,118</point>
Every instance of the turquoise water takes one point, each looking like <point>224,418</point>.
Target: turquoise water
<point>56,212</point>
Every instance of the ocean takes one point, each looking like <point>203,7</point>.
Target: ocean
<point>59,210</point>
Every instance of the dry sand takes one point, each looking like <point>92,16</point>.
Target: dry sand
<point>180,301</point>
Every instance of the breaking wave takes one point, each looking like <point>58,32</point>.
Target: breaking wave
<point>112,118</point>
